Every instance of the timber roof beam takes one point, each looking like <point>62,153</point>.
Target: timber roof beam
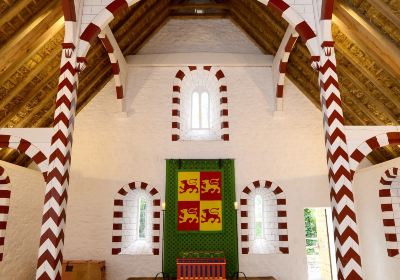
<point>368,38</point>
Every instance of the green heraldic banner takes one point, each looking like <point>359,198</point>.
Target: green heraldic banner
<point>200,215</point>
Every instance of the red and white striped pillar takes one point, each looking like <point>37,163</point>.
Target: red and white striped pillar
<point>5,194</point>
<point>342,199</point>
<point>53,222</point>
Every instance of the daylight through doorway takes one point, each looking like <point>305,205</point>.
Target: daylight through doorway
<point>319,244</point>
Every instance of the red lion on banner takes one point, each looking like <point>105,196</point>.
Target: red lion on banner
<point>190,187</point>
<point>211,215</point>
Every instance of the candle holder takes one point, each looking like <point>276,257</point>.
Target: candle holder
<point>238,272</point>
<point>162,272</point>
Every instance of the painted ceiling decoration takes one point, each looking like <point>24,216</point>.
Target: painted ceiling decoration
<point>366,34</point>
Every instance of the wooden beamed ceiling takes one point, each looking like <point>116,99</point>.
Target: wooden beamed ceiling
<point>367,35</point>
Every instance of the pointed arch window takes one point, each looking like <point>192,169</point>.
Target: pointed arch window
<point>200,111</point>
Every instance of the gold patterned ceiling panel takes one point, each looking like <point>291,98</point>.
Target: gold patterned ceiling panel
<point>28,79</point>
<point>378,13</point>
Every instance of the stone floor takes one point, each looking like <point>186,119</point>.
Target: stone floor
<point>314,271</point>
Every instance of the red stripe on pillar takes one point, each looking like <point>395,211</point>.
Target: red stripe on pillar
<point>120,92</point>
<point>90,33</point>
<point>116,6</point>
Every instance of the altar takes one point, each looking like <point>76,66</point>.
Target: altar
<point>201,265</point>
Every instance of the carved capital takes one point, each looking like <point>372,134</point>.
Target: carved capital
<point>68,49</point>
<point>328,47</point>
<point>81,64</point>
<point>315,63</point>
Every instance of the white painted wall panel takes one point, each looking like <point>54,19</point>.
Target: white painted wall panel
<point>24,221</point>
<point>207,35</point>
<point>110,151</point>
<point>376,263</point>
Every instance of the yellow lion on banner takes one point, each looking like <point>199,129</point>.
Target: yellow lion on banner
<point>188,216</point>
<point>210,186</point>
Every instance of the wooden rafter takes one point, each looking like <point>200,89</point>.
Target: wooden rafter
<point>385,10</point>
<point>13,64</point>
<point>357,84</point>
<point>199,6</point>
<point>370,84</point>
<point>245,26</point>
<point>13,11</point>
<point>150,18</point>
<point>157,18</point>
<point>368,38</point>
<point>21,43</point>
<point>380,85</point>
<point>28,79</point>
<point>33,96</point>
<point>199,10</point>
<point>253,24</point>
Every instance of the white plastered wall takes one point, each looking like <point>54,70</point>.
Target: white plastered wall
<point>376,262</point>
<point>110,151</point>
<point>24,222</point>
<point>209,35</point>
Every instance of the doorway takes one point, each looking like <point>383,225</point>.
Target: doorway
<point>320,249</point>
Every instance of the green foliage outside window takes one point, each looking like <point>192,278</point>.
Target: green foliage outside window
<point>258,213</point>
<point>259,231</point>
<point>311,232</point>
<point>142,217</point>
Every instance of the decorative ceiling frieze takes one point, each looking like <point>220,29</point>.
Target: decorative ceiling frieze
<point>370,85</point>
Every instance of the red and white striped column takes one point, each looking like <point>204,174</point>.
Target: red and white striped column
<point>342,199</point>
<point>53,223</point>
<point>5,194</point>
